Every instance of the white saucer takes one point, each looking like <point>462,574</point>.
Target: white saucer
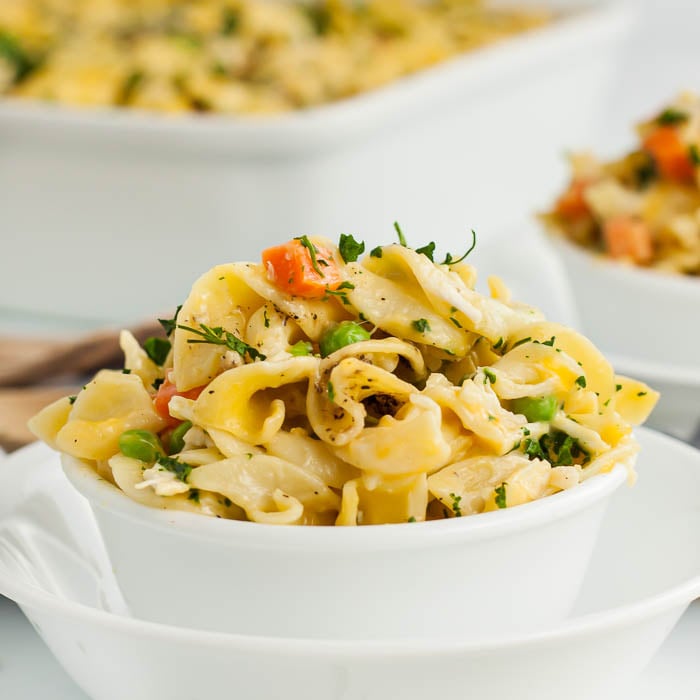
<point>640,583</point>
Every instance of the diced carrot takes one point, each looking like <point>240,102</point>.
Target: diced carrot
<point>302,268</point>
<point>670,153</point>
<point>628,237</point>
<point>166,391</point>
<point>572,204</point>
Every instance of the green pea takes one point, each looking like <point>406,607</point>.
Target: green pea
<point>177,438</point>
<point>535,409</point>
<point>303,347</point>
<point>140,444</point>
<point>339,336</point>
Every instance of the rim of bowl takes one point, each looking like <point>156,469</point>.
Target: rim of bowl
<point>484,526</point>
<point>651,280</point>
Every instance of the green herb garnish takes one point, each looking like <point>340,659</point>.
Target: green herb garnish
<point>350,249</point>
<point>427,250</point>
<point>501,495</point>
<point>421,325</point>
<point>331,392</point>
<point>301,349</point>
<point>313,250</point>
<point>489,376</point>
<point>230,21</point>
<point>376,252</point>
<point>449,260</point>
<point>399,233</point>
<point>581,381</point>
<point>170,324</point>
<point>175,466</point>
<point>456,509</point>
<point>157,349</point>
<point>672,116</point>
<point>219,336</point>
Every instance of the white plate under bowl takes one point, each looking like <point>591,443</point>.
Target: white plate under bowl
<point>640,582</point>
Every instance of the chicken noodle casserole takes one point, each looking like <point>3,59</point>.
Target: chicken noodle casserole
<point>645,207</point>
<point>319,388</point>
<point>233,56</point>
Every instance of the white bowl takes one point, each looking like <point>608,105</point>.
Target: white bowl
<point>110,195</point>
<point>640,314</point>
<point>639,583</point>
<point>510,570</point>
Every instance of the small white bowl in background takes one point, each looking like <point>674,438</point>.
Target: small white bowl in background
<point>109,215</point>
<point>639,583</point>
<point>632,312</point>
<point>470,578</point>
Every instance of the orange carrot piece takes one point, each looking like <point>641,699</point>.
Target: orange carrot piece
<point>572,204</point>
<point>628,237</point>
<point>301,268</point>
<point>166,391</point>
<point>672,156</point>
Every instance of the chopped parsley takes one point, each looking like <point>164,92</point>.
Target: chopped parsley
<point>500,498</point>
<point>427,250</point>
<point>550,342</point>
<point>156,383</point>
<point>522,341</point>
<point>557,448</point>
<point>14,54</point>
<point>230,21</point>
<point>455,321</point>
<point>126,371</point>
<point>193,495</point>
<point>641,393</point>
<point>618,387</point>
<point>498,344</point>
<point>331,392</point>
<point>376,252</point>
<point>219,336</point>
<point>180,469</point>
<point>170,324</point>
<point>313,250</point>
<point>157,349</point>
<point>672,116</point>
<point>489,376</point>
<point>421,325</point>
<point>340,292</point>
<point>694,154</point>
<point>71,399</point>
<point>399,233</point>
<point>449,260</point>
<point>581,381</point>
<point>266,318</point>
<point>456,508</point>
<point>412,519</point>
<point>350,249</point>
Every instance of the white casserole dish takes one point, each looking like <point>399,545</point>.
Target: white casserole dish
<point>102,210</point>
<point>508,571</point>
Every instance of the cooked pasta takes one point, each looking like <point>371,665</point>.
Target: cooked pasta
<point>644,208</point>
<point>315,388</point>
<point>234,56</point>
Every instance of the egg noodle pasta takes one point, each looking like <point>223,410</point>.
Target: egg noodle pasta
<point>643,208</point>
<point>235,56</point>
<point>318,388</point>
